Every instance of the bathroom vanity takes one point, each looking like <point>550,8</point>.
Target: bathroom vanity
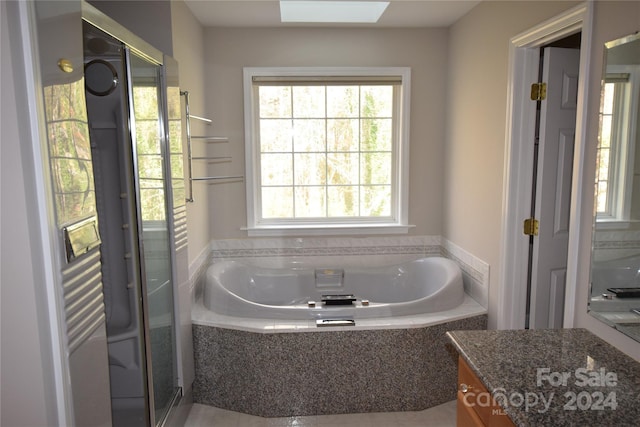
<point>544,377</point>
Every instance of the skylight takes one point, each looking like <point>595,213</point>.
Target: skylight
<point>331,11</point>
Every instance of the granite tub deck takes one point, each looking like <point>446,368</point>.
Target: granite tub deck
<point>584,380</point>
<point>332,372</point>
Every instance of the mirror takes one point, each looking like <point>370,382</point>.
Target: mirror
<point>615,258</point>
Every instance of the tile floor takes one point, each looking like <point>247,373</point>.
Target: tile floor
<point>439,416</point>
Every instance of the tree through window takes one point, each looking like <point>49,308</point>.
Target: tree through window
<point>325,149</point>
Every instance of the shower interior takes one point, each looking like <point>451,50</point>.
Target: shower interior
<point>125,113</point>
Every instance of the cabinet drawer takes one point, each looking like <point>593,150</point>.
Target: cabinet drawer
<point>474,395</point>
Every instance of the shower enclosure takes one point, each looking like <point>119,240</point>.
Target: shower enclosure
<point>112,112</point>
<point>127,105</point>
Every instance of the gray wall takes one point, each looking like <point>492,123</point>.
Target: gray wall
<point>188,43</point>
<point>228,50</point>
<point>148,19</point>
<point>476,124</point>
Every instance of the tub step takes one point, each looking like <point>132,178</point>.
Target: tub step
<point>335,322</point>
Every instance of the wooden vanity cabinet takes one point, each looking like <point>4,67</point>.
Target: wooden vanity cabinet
<point>475,405</point>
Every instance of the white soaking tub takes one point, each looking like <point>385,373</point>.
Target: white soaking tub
<point>426,285</point>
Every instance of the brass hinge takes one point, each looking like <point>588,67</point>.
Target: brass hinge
<point>531,226</point>
<point>538,91</point>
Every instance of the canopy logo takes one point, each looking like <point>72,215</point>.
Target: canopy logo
<point>541,401</point>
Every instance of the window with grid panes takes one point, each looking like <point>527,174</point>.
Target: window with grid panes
<point>326,148</point>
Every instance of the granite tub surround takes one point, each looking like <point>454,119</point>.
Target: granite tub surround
<point>559,377</point>
<point>327,372</point>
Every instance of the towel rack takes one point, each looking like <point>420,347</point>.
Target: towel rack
<point>190,157</point>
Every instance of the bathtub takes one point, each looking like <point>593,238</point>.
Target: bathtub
<point>616,273</point>
<point>258,348</point>
<point>426,285</point>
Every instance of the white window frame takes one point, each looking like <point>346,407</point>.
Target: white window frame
<point>396,224</point>
<point>623,145</point>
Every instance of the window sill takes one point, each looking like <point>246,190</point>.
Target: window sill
<point>327,230</point>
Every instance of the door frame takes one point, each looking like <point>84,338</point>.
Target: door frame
<point>516,203</point>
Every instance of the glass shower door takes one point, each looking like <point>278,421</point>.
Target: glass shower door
<point>152,189</point>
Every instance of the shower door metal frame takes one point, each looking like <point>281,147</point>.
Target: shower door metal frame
<point>136,45</point>
<point>148,371</point>
<point>162,126</point>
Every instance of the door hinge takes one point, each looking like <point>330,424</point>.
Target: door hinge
<point>531,226</point>
<point>538,91</point>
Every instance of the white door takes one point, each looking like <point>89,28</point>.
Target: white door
<point>553,187</point>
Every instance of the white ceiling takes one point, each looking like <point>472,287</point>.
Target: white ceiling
<point>266,13</point>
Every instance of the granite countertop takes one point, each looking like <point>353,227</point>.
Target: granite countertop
<point>559,377</point>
